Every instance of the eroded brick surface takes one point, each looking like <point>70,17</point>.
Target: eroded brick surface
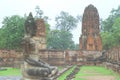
<point>90,38</point>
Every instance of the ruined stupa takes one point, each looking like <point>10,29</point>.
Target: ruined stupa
<point>90,39</point>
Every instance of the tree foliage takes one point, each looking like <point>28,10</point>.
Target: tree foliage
<point>40,14</point>
<point>65,21</point>
<point>111,30</point>
<point>12,32</point>
<point>60,39</point>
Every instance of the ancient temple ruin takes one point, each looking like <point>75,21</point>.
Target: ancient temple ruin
<point>90,39</point>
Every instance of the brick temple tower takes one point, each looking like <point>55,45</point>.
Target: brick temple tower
<point>41,33</point>
<point>90,38</point>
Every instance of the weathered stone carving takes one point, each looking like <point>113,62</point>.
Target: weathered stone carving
<point>34,68</point>
<point>90,38</point>
<point>30,26</point>
<point>40,69</point>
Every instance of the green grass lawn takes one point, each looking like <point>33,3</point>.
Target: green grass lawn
<point>82,72</point>
<point>10,72</point>
<point>94,69</point>
<point>87,70</point>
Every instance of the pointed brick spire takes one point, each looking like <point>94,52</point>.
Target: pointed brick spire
<point>90,38</point>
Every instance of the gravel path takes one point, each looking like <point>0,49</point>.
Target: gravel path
<point>10,77</point>
<point>99,77</point>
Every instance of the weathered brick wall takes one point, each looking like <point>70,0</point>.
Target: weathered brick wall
<point>92,54</point>
<point>68,57</point>
<point>54,57</point>
<point>113,55</point>
<point>113,59</point>
<point>10,58</point>
<point>73,57</point>
<point>82,57</point>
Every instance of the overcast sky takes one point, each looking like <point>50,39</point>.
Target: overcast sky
<point>52,8</point>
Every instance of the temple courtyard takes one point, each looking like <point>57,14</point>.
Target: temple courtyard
<point>37,58</point>
<point>85,73</point>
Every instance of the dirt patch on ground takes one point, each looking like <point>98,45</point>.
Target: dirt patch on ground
<point>98,77</point>
<point>93,75</point>
<point>96,73</point>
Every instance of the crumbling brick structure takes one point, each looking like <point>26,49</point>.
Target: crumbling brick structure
<point>41,33</point>
<point>113,59</point>
<point>90,38</point>
<point>10,58</point>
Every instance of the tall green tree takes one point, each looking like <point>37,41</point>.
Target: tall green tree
<point>12,32</point>
<point>61,40</point>
<point>107,40</point>
<point>108,23</point>
<point>2,39</point>
<point>65,21</point>
<point>116,32</point>
<point>111,30</point>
